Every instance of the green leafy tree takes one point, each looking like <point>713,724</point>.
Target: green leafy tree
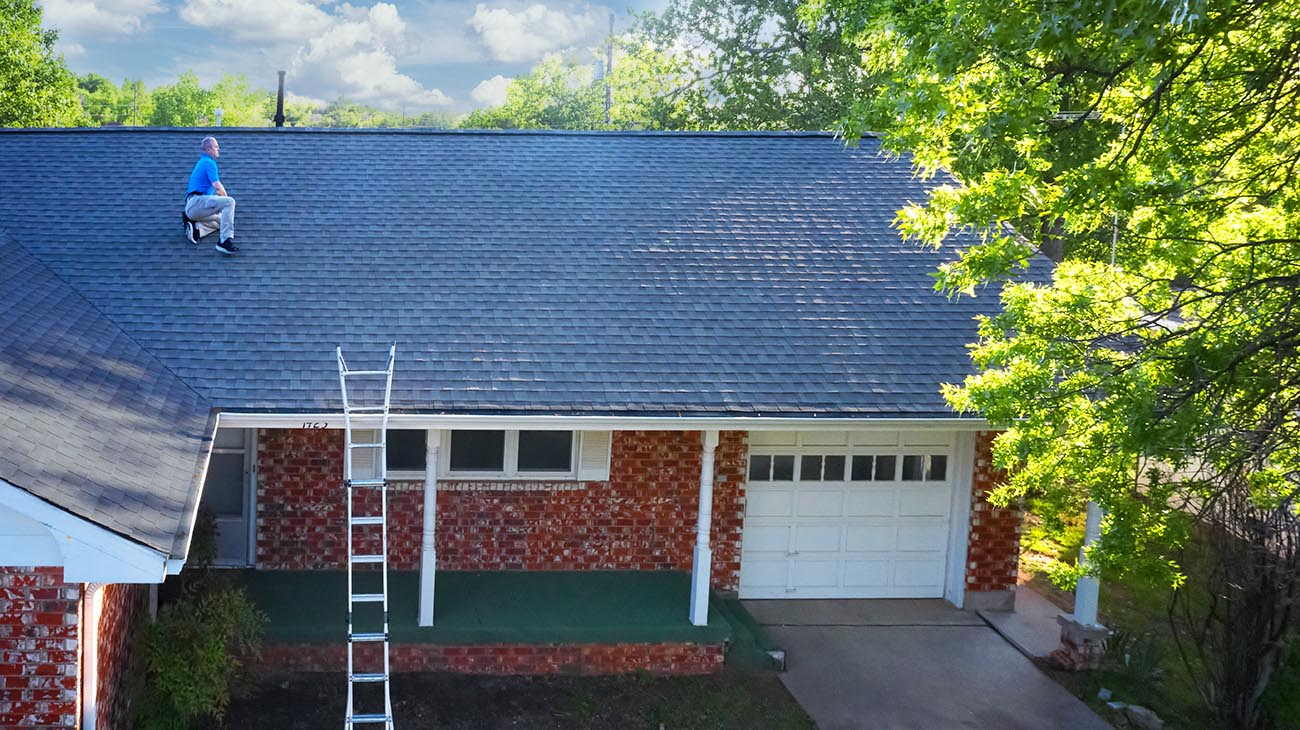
<point>36,87</point>
<point>103,102</point>
<point>559,93</point>
<point>1164,386</point>
<point>182,104</point>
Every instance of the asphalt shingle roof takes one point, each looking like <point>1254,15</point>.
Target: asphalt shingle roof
<point>601,273</point>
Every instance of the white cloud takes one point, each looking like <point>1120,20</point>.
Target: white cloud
<point>527,34</point>
<point>98,18</point>
<point>258,20</point>
<point>354,58</point>
<point>491,92</point>
<point>69,49</point>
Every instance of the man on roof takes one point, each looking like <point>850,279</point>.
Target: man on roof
<point>206,198</point>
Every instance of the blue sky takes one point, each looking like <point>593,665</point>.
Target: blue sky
<point>414,55</point>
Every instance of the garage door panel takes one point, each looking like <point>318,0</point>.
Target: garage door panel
<point>919,573</point>
<point>817,538</point>
<point>928,501</point>
<point>868,502</point>
<point>816,573</point>
<point>922,537</point>
<point>870,538</point>
<point>820,502</point>
<point>760,573</point>
<point>767,538</point>
<point>867,573</point>
<point>769,502</point>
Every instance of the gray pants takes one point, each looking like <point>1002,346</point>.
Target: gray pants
<point>205,206</point>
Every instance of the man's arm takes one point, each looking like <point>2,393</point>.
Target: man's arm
<point>221,189</point>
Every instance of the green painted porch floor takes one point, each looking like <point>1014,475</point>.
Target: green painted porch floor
<point>498,607</point>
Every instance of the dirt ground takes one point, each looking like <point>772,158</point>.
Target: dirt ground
<point>729,700</point>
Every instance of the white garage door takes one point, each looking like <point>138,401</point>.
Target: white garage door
<point>867,517</point>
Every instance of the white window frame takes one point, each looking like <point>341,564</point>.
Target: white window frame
<point>510,461</point>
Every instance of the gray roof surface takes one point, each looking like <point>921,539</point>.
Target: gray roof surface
<point>568,273</point>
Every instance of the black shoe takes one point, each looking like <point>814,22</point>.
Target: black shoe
<point>227,247</point>
<point>191,230</point>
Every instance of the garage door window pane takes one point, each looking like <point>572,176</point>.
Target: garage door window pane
<point>783,468</point>
<point>861,469</point>
<point>885,468</point>
<point>478,450</point>
<point>913,468</point>
<point>760,468</point>
<point>938,470</point>
<point>810,468</point>
<point>834,469</point>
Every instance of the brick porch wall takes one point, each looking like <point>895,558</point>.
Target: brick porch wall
<point>642,518</point>
<point>993,548</point>
<point>584,659</point>
<point>122,608</point>
<point>39,648</point>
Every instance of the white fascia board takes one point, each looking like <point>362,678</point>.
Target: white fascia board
<point>91,553</point>
<point>597,423</point>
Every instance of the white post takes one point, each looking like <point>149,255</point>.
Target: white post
<point>1085,593</point>
<point>93,606</point>
<point>702,565</point>
<point>428,535</point>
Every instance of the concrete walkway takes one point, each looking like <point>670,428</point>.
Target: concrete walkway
<point>912,665</point>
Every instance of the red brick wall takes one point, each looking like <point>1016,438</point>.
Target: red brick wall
<point>39,648</point>
<point>993,548</point>
<point>587,659</point>
<point>642,518</point>
<point>122,607</point>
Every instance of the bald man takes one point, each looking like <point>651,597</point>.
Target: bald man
<point>206,197</point>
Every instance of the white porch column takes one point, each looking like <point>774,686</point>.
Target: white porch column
<point>702,566</point>
<point>1085,592</point>
<point>92,609</point>
<point>428,549</point>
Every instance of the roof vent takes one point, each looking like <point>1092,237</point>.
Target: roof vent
<point>279,103</point>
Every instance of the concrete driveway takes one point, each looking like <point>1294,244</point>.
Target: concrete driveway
<point>912,664</point>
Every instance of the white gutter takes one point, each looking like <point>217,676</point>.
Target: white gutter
<point>421,421</point>
<point>93,597</point>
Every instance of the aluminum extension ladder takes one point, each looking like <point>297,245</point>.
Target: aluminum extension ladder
<point>377,451</point>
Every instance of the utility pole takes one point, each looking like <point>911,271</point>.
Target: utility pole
<point>609,67</point>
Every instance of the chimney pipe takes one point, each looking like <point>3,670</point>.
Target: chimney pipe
<point>279,103</point>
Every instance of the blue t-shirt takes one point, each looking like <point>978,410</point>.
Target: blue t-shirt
<point>204,175</point>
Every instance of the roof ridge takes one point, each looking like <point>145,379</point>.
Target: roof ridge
<point>435,131</point>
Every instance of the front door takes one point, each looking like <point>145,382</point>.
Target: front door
<point>227,494</point>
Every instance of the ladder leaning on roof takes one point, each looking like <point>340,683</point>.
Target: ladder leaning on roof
<point>375,450</point>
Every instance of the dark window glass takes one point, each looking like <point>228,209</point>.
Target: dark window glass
<point>938,469</point>
<point>885,468</point>
<point>478,450</point>
<point>834,469</point>
<point>861,469</point>
<point>406,450</point>
<point>783,468</point>
<point>810,468</point>
<point>223,490</point>
<point>545,450</point>
<point>913,468</point>
<point>760,468</point>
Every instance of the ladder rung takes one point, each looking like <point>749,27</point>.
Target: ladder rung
<point>367,482</point>
<point>369,718</point>
<point>367,558</point>
<point>368,446</point>
<point>368,638</point>
<point>364,409</point>
<point>375,520</point>
<point>369,677</point>
<point>367,597</point>
<point>372,373</point>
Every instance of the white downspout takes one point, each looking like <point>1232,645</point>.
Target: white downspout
<point>93,605</point>
<point>428,534</point>
<point>702,565</point>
